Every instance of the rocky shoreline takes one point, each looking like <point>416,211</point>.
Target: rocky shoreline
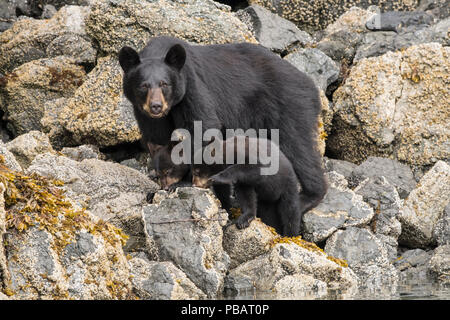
<point>75,218</point>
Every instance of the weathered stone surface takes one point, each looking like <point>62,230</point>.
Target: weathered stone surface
<point>29,39</point>
<point>397,20</point>
<point>153,280</point>
<point>365,255</point>
<point>316,64</point>
<point>342,167</point>
<point>340,208</point>
<point>82,152</point>
<point>97,113</point>
<point>300,286</point>
<point>425,206</point>
<point>195,247</point>
<point>115,24</point>
<point>264,272</point>
<point>271,30</point>
<point>441,231</point>
<point>8,159</point>
<point>29,86</point>
<point>414,265</point>
<point>440,263</point>
<point>27,146</point>
<point>246,244</point>
<point>110,191</point>
<point>398,97</point>
<point>437,8</point>
<point>397,174</point>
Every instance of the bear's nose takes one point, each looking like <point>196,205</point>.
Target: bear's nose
<point>155,107</point>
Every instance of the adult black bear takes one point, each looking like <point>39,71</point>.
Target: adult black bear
<point>229,86</point>
<point>272,197</point>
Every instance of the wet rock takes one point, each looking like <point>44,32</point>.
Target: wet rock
<point>440,263</point>
<point>195,247</point>
<point>397,174</point>
<point>300,286</point>
<point>316,64</point>
<point>153,280</point>
<point>396,20</point>
<point>287,260</point>
<point>365,255</point>
<point>387,99</point>
<point>271,30</point>
<point>98,113</point>
<point>115,24</point>
<point>29,39</point>
<point>441,231</point>
<point>83,152</point>
<point>29,86</point>
<point>425,206</point>
<point>246,244</point>
<point>414,265</point>
<point>8,159</point>
<point>27,146</point>
<point>110,191</point>
<point>386,203</point>
<point>340,208</point>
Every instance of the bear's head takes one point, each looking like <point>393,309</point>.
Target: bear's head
<point>154,85</point>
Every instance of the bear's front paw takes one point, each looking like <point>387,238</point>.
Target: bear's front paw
<point>243,222</point>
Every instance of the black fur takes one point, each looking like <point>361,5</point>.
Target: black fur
<point>232,86</point>
<point>169,174</point>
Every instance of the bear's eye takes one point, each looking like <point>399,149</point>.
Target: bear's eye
<point>163,84</point>
<point>143,86</point>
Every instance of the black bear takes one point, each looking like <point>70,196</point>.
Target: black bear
<point>272,197</point>
<point>228,86</point>
<point>168,173</point>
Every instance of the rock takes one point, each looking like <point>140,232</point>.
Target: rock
<point>115,24</point>
<point>153,280</point>
<point>247,244</point>
<point>195,247</point>
<point>29,86</point>
<point>300,286</point>
<point>8,159</point>
<point>437,8</point>
<point>48,11</point>
<point>441,231</point>
<point>110,191</point>
<point>287,260</point>
<point>29,39</point>
<point>396,173</point>
<point>83,152</point>
<point>383,108</point>
<point>316,64</point>
<point>424,207</point>
<point>342,167</point>
<point>97,113</point>
<point>440,263</point>
<point>397,20</point>
<point>315,15</point>
<point>414,265</point>
<point>4,273</point>
<point>271,30</point>
<point>385,201</point>
<point>340,208</point>
<point>27,146</point>
<point>365,255</point>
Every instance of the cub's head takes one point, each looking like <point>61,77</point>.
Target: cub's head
<point>153,85</point>
<point>168,173</point>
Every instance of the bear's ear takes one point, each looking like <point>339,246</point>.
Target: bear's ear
<point>128,58</point>
<point>176,57</point>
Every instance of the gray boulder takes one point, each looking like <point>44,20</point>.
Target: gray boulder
<point>440,264</point>
<point>441,231</point>
<point>8,159</point>
<point>397,20</point>
<point>414,265</point>
<point>27,146</point>
<point>342,167</point>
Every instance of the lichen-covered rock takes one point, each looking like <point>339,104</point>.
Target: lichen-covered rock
<point>82,152</point>
<point>365,255</point>
<point>29,86</point>
<point>115,24</point>
<point>340,208</point>
<point>316,64</point>
<point>441,231</point>
<point>246,244</point>
<point>396,106</point>
<point>440,263</point>
<point>425,206</point>
<point>187,230</point>
<point>98,113</point>
<point>153,280</point>
<point>110,191</point>
<point>27,146</point>
<point>288,259</point>
<point>31,39</point>
<point>314,15</point>
<point>8,159</point>
<point>271,30</point>
<point>300,286</point>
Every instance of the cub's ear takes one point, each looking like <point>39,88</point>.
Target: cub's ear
<point>176,57</point>
<point>128,58</point>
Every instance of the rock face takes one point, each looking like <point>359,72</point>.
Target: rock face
<point>110,191</point>
<point>30,39</point>
<point>27,146</point>
<point>8,159</point>
<point>115,24</point>
<point>441,231</point>
<point>392,106</point>
<point>98,113</point>
<point>195,247</point>
<point>29,86</point>
<point>414,265</point>
<point>440,263</point>
<point>424,207</point>
<point>271,30</point>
